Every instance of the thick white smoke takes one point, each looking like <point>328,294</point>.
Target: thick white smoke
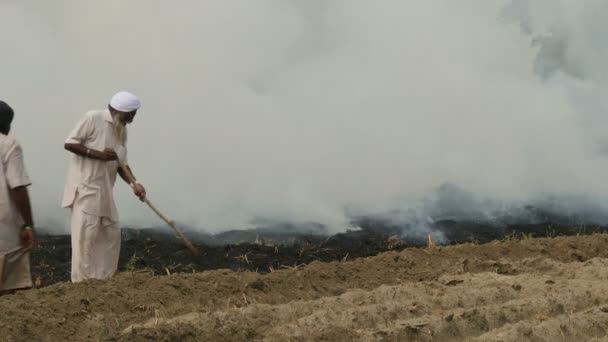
<point>315,110</point>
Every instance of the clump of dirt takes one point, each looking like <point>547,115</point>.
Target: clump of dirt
<point>549,289</point>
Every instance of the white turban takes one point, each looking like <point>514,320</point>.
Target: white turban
<point>125,102</point>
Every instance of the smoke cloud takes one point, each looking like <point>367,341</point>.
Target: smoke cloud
<point>319,110</point>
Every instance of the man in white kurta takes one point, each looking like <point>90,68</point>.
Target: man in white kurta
<point>16,225</point>
<point>98,144</point>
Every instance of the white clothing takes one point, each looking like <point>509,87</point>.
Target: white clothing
<point>89,194</point>
<point>14,264</point>
<point>125,102</point>
<point>15,269</point>
<point>94,179</point>
<point>95,245</point>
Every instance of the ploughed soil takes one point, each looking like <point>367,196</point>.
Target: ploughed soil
<point>518,288</point>
<point>268,249</point>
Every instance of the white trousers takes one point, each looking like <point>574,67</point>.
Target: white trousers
<point>95,245</point>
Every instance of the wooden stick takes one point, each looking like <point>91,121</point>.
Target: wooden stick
<point>177,230</point>
<point>163,217</point>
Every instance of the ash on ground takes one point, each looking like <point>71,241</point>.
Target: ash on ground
<point>158,250</point>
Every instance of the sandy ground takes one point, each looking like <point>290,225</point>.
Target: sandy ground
<point>531,290</point>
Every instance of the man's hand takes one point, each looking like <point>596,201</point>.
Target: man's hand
<point>139,191</point>
<point>107,155</point>
<point>27,239</point>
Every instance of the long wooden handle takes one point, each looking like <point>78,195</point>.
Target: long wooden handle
<point>163,217</point>
<point>172,225</point>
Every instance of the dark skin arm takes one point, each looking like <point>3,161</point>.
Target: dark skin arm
<point>108,155</point>
<point>21,198</point>
<point>81,150</point>
<point>127,175</point>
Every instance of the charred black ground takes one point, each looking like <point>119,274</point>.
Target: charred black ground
<point>158,251</point>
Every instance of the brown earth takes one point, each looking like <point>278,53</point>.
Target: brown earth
<point>550,289</point>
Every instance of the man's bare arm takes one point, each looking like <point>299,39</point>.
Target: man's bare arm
<point>127,175</point>
<point>21,198</point>
<point>81,150</point>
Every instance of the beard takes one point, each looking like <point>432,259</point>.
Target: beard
<point>120,130</point>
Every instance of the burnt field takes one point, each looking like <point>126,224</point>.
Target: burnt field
<point>158,252</point>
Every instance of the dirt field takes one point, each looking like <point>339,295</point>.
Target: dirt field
<point>551,289</point>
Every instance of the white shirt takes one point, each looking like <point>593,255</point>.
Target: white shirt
<point>91,179</point>
<point>12,175</point>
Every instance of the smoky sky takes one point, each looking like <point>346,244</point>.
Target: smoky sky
<point>315,111</point>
